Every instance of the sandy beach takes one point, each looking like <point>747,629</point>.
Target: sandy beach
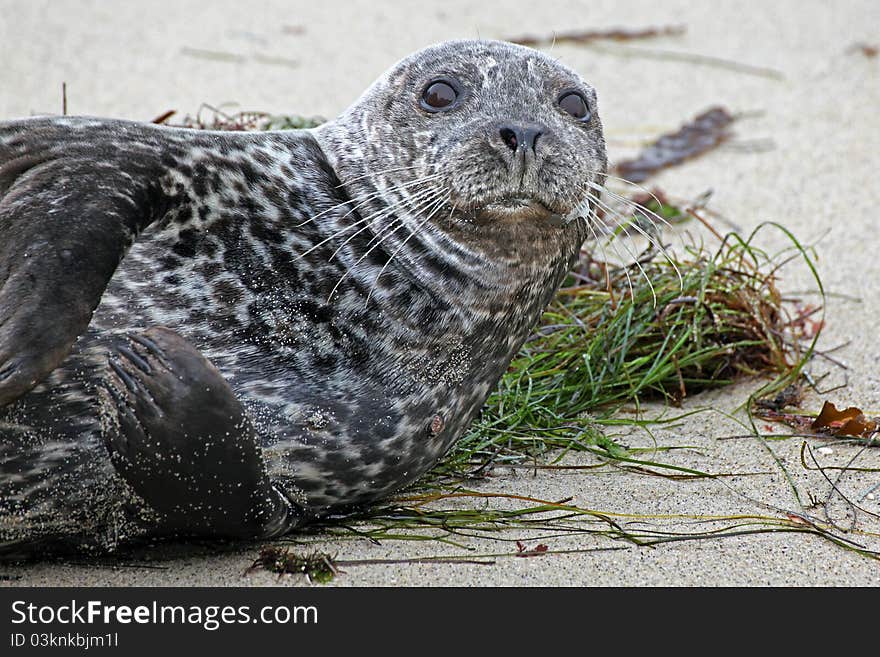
<point>806,155</point>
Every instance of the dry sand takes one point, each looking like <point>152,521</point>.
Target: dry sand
<point>134,60</point>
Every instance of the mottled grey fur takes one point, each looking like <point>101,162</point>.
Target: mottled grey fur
<point>361,287</point>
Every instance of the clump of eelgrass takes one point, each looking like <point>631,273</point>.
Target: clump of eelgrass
<point>667,327</point>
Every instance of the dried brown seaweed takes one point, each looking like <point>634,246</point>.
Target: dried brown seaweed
<point>582,37</point>
<point>707,131</point>
<point>316,566</point>
<point>869,50</point>
<point>209,117</point>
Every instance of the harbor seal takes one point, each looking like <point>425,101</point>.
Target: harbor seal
<point>232,334</point>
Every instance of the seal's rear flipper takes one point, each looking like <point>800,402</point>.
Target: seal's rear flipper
<point>186,445</point>
<point>71,203</point>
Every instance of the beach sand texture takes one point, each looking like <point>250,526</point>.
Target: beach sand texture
<point>136,60</point>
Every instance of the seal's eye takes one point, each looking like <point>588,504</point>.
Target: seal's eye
<point>573,103</point>
<point>439,95</point>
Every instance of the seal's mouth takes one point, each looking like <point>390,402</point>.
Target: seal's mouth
<point>518,208</point>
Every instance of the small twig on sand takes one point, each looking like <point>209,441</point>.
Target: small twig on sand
<point>216,55</point>
<point>690,58</point>
<point>589,36</point>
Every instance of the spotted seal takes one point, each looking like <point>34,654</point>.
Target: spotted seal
<point>231,334</point>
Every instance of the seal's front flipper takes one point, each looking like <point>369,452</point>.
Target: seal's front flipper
<point>71,203</point>
<point>186,445</point>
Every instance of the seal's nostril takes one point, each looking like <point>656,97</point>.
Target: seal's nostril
<point>508,136</point>
<point>523,136</point>
<point>529,136</point>
<point>537,134</point>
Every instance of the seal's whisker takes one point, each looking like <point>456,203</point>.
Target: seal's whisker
<point>424,202</point>
<point>627,219</point>
<point>367,223</point>
<point>396,225</point>
<point>591,219</point>
<point>641,209</point>
<point>407,194</point>
<point>637,208</point>
<point>381,214</point>
<point>426,198</point>
<point>334,235</point>
<point>384,211</point>
<point>593,225</point>
<point>412,202</point>
<point>649,214</point>
<point>635,259</point>
<point>363,198</point>
<point>637,263</point>
<point>616,216</point>
<point>596,239</point>
<point>641,189</point>
<point>615,242</point>
<point>360,202</point>
<point>439,203</point>
<point>655,236</point>
<point>621,220</point>
<point>380,172</point>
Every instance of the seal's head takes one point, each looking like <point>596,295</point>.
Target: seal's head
<point>495,134</point>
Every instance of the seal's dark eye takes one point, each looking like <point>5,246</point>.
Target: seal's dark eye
<point>438,95</point>
<point>573,103</point>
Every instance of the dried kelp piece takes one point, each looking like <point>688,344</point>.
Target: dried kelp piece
<point>847,423</point>
<point>850,422</point>
<point>790,396</point>
<point>803,323</point>
<point>707,131</point>
<point>582,37</point>
<point>163,117</point>
<point>869,50</point>
<point>317,566</point>
<point>523,551</point>
<point>209,117</point>
<point>800,423</point>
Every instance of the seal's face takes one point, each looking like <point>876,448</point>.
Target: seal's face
<point>493,133</point>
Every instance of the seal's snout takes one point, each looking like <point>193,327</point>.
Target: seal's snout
<point>521,136</point>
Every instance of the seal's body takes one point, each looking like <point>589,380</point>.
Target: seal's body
<point>233,333</point>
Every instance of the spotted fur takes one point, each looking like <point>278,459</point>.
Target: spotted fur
<point>347,282</point>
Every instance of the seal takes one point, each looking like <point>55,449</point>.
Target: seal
<point>233,334</point>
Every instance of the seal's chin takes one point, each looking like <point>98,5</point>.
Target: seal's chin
<point>518,209</point>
